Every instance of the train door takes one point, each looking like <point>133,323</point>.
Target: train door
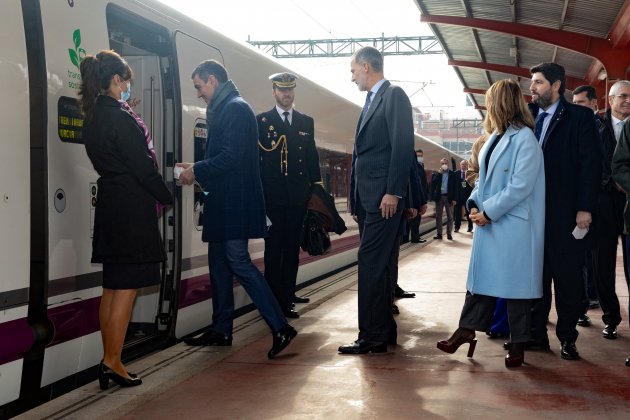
<point>194,292</point>
<point>147,48</point>
<point>15,333</point>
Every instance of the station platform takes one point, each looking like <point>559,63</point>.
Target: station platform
<point>413,380</point>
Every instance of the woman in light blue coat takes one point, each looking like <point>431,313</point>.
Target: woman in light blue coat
<point>508,207</point>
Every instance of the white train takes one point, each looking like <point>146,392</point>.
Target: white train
<point>49,290</point>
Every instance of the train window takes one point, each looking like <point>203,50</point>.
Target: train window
<point>69,120</point>
<point>130,34</point>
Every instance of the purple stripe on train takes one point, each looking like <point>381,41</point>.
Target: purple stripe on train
<point>16,338</point>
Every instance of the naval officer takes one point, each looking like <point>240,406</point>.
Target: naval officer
<point>289,165</point>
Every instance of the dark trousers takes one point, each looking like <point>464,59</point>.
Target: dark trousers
<point>413,226</point>
<point>443,202</point>
<point>458,215</point>
<point>282,251</point>
<point>228,259</point>
<point>378,238</point>
<point>565,269</point>
<point>478,309</point>
<point>608,229</point>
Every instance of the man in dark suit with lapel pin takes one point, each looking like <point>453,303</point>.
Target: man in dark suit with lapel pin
<point>381,165</point>
<point>570,141</point>
<point>289,165</point>
<point>234,208</point>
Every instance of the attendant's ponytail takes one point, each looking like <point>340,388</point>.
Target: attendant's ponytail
<point>96,76</point>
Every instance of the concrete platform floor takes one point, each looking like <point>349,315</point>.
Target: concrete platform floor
<point>414,380</point>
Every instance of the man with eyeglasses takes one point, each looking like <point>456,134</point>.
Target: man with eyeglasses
<point>608,220</point>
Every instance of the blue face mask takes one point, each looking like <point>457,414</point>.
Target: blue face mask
<point>125,95</point>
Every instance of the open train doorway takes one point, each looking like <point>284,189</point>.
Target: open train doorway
<point>148,49</point>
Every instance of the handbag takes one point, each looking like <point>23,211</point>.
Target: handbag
<point>313,238</point>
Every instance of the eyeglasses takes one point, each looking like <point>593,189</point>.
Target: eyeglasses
<point>622,96</point>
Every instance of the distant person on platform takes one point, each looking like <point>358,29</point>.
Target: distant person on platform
<point>507,205</point>
<point>444,191</point>
<point>234,208</point>
<point>381,164</point>
<point>464,190</point>
<point>414,224</point>
<point>289,165</point>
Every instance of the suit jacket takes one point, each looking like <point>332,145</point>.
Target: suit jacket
<point>422,178</point>
<point>302,169</point>
<point>451,187</point>
<point>383,145</point>
<point>463,187</point>
<point>125,224</point>
<point>234,207</point>
<point>572,165</point>
<point>511,190</point>
<point>621,171</point>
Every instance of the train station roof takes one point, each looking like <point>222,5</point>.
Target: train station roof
<point>489,40</point>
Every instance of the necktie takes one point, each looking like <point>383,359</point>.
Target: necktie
<point>368,101</point>
<point>540,120</point>
<point>286,118</point>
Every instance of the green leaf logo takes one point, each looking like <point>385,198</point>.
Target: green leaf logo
<point>77,53</point>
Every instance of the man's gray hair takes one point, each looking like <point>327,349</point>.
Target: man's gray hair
<point>618,84</point>
<point>370,55</point>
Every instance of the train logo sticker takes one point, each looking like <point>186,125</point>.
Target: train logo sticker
<point>77,54</point>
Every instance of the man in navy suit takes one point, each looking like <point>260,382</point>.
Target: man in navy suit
<point>234,208</point>
<point>381,166</point>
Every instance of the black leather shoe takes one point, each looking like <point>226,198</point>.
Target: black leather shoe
<point>210,338</point>
<point>469,230</point>
<point>610,332</point>
<point>281,340</point>
<point>568,351</point>
<point>400,293</point>
<point>456,230</point>
<point>584,321</point>
<point>449,237</point>
<point>395,309</point>
<point>299,299</point>
<point>291,314</point>
<point>362,346</point>
<point>437,237</point>
<point>418,241</point>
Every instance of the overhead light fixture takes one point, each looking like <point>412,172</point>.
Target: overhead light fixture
<point>513,51</point>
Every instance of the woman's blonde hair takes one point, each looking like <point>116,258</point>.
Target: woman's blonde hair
<point>505,106</point>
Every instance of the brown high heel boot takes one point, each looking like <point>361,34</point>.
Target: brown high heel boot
<point>516,355</point>
<point>459,337</point>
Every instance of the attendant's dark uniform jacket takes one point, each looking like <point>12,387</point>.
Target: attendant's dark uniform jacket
<point>125,222</point>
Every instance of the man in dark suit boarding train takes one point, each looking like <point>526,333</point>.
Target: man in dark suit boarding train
<point>289,165</point>
<point>381,165</point>
<point>234,208</point>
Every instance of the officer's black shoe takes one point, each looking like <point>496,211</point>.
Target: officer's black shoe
<point>299,299</point>
<point>569,351</point>
<point>281,340</point>
<point>210,338</point>
<point>610,332</point>
<point>584,321</point>
<point>291,314</point>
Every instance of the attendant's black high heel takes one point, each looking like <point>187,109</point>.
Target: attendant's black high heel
<point>459,337</point>
<point>133,375</point>
<point>105,374</point>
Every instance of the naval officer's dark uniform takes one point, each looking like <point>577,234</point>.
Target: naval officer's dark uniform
<point>289,166</point>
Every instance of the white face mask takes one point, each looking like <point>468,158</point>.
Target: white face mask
<point>445,167</point>
<point>420,159</point>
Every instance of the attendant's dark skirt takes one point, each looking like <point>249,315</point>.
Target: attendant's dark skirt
<point>130,276</point>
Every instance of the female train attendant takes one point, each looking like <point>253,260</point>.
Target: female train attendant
<point>508,207</point>
<point>126,237</point>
